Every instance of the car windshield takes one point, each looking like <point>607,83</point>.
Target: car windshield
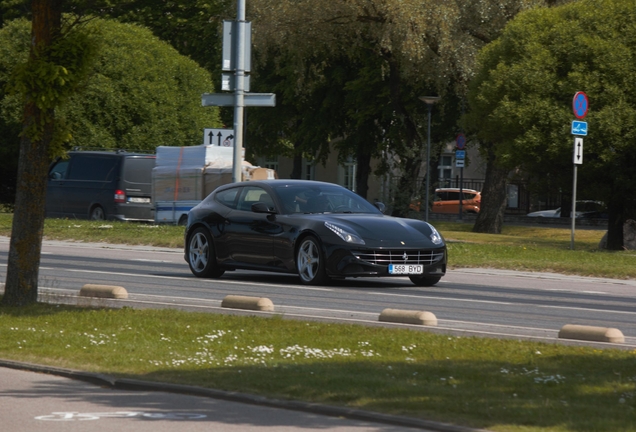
<point>322,199</point>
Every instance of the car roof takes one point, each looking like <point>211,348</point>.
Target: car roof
<point>455,190</point>
<point>286,182</point>
<point>111,153</point>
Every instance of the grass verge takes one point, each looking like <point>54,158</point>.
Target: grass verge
<point>502,385</point>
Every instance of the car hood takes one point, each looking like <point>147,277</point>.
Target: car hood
<point>387,231</point>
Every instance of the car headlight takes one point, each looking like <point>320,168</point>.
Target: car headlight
<point>347,235</point>
<point>436,238</point>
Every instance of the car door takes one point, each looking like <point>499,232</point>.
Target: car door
<point>249,236</point>
<point>91,182</point>
<point>55,188</point>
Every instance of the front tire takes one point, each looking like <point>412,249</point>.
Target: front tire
<point>310,263</point>
<point>201,256</point>
<point>425,281</point>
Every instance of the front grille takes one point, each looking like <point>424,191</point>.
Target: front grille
<point>386,257</point>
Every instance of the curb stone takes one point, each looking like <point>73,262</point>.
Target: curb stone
<point>314,408</point>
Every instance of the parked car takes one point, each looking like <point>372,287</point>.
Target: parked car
<point>314,229</point>
<point>101,185</point>
<point>584,209</point>
<point>446,200</point>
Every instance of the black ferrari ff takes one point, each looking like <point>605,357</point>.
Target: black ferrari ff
<point>314,229</point>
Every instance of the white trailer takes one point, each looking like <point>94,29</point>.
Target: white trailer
<point>184,176</point>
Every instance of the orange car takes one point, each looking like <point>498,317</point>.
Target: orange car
<point>447,200</point>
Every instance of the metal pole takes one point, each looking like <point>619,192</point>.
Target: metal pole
<point>239,104</point>
<point>461,191</point>
<point>428,160</point>
<point>573,214</point>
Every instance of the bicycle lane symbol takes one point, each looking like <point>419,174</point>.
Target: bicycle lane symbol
<point>75,416</point>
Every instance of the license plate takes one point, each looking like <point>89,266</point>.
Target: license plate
<point>138,200</point>
<point>405,269</point>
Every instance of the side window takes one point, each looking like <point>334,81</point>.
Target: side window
<point>58,171</point>
<point>93,167</point>
<point>250,195</point>
<point>453,196</point>
<point>228,197</point>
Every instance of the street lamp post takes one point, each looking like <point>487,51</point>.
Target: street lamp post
<point>429,101</point>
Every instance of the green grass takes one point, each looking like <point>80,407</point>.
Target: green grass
<point>503,385</point>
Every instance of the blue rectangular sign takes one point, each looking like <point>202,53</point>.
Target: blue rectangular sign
<point>579,128</point>
<point>460,154</point>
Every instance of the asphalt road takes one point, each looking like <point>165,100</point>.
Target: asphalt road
<point>466,301</point>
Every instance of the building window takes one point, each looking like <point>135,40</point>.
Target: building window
<point>445,169</point>
<point>309,170</point>
<point>271,163</point>
<point>347,174</point>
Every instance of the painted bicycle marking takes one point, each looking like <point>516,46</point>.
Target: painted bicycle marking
<point>75,416</point>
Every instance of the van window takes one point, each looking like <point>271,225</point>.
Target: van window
<point>92,167</point>
<point>58,172</point>
<point>138,170</point>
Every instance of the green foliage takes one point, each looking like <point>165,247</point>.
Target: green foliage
<point>498,384</point>
<point>140,93</point>
<point>521,99</point>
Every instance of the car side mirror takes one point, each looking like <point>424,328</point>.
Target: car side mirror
<point>55,176</point>
<point>261,207</point>
<point>380,206</point>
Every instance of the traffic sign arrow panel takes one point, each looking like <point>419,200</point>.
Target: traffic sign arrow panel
<point>578,151</point>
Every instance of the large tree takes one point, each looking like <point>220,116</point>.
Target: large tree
<point>521,101</point>
<point>56,64</point>
<point>408,48</point>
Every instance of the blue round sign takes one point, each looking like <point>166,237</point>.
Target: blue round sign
<point>461,141</point>
<point>580,105</point>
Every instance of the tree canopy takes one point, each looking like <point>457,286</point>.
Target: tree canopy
<point>521,99</point>
<point>140,92</point>
<point>380,55</point>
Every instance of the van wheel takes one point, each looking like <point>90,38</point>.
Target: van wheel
<point>97,213</point>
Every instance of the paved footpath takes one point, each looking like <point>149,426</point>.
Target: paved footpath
<point>35,401</point>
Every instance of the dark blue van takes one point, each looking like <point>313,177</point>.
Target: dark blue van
<point>101,185</point>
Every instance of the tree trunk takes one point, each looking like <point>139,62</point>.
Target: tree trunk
<point>28,219</point>
<point>297,170</point>
<point>362,173</point>
<point>616,220</point>
<point>411,160</point>
<point>493,198</point>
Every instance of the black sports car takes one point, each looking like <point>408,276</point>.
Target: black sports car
<point>314,229</point>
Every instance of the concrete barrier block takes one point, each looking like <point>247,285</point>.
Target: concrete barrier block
<point>246,302</point>
<point>408,317</point>
<point>103,291</point>
<point>591,333</point>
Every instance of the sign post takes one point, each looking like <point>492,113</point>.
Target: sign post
<point>235,77</point>
<point>580,107</point>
